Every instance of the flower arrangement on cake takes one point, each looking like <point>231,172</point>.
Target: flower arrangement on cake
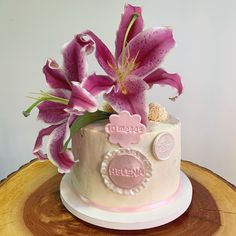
<point>125,148</point>
<point>71,103</point>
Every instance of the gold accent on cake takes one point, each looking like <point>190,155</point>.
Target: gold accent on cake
<point>157,112</point>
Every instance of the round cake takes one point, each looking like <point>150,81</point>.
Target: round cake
<point>139,175</point>
<point>125,156</point>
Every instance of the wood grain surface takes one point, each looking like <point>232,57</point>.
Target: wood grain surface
<point>30,205</point>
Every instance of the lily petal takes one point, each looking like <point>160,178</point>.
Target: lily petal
<point>137,27</point>
<point>85,44</point>
<point>81,99</point>
<point>39,142</point>
<point>74,53</point>
<point>53,112</point>
<point>54,75</point>
<point>149,48</point>
<point>162,77</point>
<point>96,84</point>
<point>61,158</point>
<point>72,111</point>
<point>103,54</point>
<point>133,101</point>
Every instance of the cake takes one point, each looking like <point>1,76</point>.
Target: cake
<point>90,176</point>
<point>125,156</point>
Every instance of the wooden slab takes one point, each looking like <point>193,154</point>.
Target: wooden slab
<point>30,205</point>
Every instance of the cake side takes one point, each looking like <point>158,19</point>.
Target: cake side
<point>91,144</point>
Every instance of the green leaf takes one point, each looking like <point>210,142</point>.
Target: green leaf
<point>82,121</point>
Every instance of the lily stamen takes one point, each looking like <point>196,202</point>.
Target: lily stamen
<point>44,97</point>
<point>134,18</point>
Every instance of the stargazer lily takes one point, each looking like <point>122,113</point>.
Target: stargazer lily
<point>135,66</point>
<point>67,100</point>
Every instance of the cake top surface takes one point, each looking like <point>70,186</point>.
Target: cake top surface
<point>129,73</point>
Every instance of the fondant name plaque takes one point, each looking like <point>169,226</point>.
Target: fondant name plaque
<point>125,171</point>
<point>125,129</point>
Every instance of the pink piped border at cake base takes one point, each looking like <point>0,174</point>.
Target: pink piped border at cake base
<point>125,129</point>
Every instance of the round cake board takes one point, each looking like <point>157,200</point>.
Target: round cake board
<point>134,220</point>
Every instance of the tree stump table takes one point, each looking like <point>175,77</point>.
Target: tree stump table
<point>30,205</point>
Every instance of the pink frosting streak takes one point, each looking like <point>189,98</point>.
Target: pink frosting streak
<point>133,209</point>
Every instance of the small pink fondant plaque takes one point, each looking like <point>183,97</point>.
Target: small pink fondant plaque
<point>125,129</point>
<point>163,145</point>
<point>126,171</point>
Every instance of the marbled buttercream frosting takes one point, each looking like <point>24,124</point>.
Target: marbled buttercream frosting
<point>91,146</point>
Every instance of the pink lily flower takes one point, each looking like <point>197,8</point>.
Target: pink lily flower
<point>67,100</point>
<point>135,67</point>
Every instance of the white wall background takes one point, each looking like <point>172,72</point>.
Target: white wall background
<point>31,31</point>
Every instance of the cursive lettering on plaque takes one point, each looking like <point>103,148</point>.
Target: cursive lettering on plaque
<point>164,146</point>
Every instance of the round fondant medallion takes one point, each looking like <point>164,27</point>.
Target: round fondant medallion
<point>163,145</point>
<point>125,171</point>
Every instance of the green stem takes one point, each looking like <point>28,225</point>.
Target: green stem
<point>134,18</point>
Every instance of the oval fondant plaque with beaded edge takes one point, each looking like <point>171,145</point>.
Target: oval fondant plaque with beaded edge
<point>125,171</point>
<point>163,146</point>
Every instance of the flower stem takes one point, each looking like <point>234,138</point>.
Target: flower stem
<point>134,18</point>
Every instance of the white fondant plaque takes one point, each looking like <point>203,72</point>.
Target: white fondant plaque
<point>163,146</point>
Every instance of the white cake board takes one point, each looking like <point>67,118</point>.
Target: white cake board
<point>127,220</point>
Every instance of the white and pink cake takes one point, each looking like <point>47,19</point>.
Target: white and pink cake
<point>126,156</point>
<point>138,176</point>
